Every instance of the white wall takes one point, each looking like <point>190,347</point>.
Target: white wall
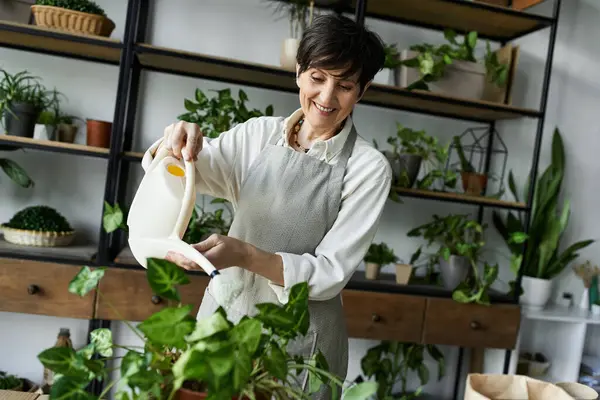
<point>211,27</point>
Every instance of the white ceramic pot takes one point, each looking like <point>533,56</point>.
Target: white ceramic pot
<point>462,79</point>
<point>536,293</point>
<point>372,270</point>
<point>287,57</point>
<point>403,272</point>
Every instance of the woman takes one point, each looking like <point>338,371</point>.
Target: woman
<point>308,193</point>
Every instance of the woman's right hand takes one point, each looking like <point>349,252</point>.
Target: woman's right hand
<point>183,139</point>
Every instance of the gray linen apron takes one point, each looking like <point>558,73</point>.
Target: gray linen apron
<point>287,203</point>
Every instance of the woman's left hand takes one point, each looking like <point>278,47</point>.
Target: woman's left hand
<point>222,251</point>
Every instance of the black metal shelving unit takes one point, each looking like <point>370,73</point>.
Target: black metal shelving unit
<point>133,54</point>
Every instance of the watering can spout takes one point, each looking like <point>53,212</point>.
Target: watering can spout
<point>161,210</point>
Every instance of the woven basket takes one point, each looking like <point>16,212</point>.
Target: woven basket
<point>72,21</point>
<point>36,238</point>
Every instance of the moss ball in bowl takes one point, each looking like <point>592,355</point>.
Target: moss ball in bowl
<point>38,226</point>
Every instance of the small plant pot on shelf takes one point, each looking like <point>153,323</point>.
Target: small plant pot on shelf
<point>454,271</point>
<point>66,133</point>
<point>22,120</point>
<point>72,21</point>
<point>403,273</point>
<point>372,270</point>
<point>409,167</point>
<point>25,237</point>
<point>473,183</point>
<point>536,293</point>
<point>463,79</point>
<point>98,133</point>
<point>287,57</point>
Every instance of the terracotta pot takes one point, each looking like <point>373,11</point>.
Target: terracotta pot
<point>474,183</point>
<point>98,133</point>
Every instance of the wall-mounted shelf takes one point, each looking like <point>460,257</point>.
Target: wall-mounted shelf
<point>77,253</point>
<point>52,42</point>
<point>460,198</point>
<point>53,146</point>
<point>492,22</point>
<point>161,59</point>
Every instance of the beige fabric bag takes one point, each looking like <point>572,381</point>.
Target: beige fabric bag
<point>515,387</point>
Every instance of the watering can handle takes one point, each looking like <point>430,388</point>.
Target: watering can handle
<point>188,201</point>
<point>160,154</point>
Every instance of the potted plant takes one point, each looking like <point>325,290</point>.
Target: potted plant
<point>10,382</point>
<point>59,126</point>
<point>378,255</point>
<point>38,226</point>
<point>452,68</point>
<point>460,241</point>
<point>22,99</point>
<point>77,16</point>
<point>390,363</point>
<point>411,150</point>
<point>473,182</point>
<point>300,15</point>
<point>542,260</point>
<point>219,113</point>
<point>185,358</point>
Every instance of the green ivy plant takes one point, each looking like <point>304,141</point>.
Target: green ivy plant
<point>432,60</point>
<point>543,258</point>
<point>212,355</point>
<point>219,113</point>
<point>459,235</point>
<point>86,6</point>
<point>389,363</point>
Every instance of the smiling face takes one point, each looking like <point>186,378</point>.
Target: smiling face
<point>326,98</point>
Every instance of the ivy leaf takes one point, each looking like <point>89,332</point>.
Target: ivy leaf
<point>86,280</point>
<point>65,361</point>
<point>16,173</point>
<point>276,318</point>
<point>102,340</point>
<point>247,335</point>
<point>163,275</point>
<point>70,389</point>
<point>207,327</point>
<point>112,218</point>
<point>169,326</point>
<point>361,391</point>
<point>276,362</point>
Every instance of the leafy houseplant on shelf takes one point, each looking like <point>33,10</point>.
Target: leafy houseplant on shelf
<point>219,113</point>
<point>460,243</point>
<point>38,226</point>
<point>59,126</point>
<point>452,68</point>
<point>390,363</point>
<point>542,260</point>
<point>473,182</point>
<point>22,99</point>
<point>378,255</point>
<point>182,357</point>
<point>300,14</point>
<point>77,16</point>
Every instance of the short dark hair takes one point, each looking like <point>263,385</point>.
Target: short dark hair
<point>337,42</point>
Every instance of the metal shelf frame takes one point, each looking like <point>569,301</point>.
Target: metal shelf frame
<point>121,155</point>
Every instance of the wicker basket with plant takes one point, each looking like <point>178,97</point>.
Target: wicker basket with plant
<point>38,226</point>
<point>75,16</point>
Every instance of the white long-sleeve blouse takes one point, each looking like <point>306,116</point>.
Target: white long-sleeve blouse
<point>223,165</point>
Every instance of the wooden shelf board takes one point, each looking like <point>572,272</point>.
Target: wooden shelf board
<point>54,41</point>
<point>495,22</point>
<point>133,155</point>
<point>270,77</point>
<point>77,252</point>
<point>61,147</point>
<point>459,198</point>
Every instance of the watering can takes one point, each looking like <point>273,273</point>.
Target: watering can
<point>161,211</point>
